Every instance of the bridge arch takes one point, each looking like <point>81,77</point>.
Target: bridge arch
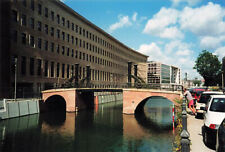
<point>133,97</point>
<point>55,103</point>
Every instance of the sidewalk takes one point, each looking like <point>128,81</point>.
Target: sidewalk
<point>194,128</point>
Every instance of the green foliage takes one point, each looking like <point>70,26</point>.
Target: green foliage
<point>208,66</point>
<point>197,82</point>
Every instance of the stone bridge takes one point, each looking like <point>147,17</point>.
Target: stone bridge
<point>74,99</point>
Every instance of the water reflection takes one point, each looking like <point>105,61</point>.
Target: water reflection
<point>105,129</point>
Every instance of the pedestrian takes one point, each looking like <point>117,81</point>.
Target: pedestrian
<point>190,99</point>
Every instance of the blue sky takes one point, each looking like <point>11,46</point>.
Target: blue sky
<point>169,31</point>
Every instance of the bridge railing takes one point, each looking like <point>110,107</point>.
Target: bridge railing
<point>167,87</point>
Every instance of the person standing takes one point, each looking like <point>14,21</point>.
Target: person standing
<point>190,99</point>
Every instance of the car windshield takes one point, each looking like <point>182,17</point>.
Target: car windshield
<point>218,105</point>
<point>205,97</point>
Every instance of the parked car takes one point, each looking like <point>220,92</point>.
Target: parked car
<point>220,138</point>
<point>200,104</point>
<point>213,116</point>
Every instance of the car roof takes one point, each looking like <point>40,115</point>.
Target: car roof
<point>212,92</point>
<point>218,96</point>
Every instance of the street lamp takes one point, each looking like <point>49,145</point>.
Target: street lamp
<point>15,59</point>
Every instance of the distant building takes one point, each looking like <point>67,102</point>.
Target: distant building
<point>159,73</point>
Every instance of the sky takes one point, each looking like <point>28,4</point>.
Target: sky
<point>172,32</point>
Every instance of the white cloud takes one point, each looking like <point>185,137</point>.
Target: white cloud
<point>207,20</point>
<point>123,21</point>
<point>220,52</point>
<point>178,47</point>
<point>189,2</point>
<point>163,24</point>
<point>210,42</point>
<point>134,17</point>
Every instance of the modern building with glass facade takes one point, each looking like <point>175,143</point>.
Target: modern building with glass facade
<point>48,39</point>
<point>159,73</point>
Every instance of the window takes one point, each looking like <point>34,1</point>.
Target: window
<point>58,33</point>
<point>24,20</point>
<point>63,50</point>
<point>32,23</point>
<point>76,41</point>
<point>68,24</point>
<point>72,37</point>
<point>87,34</point>
<point>52,31</point>
<point>63,70</point>
<point>68,51</point>
<point>57,70</point>
<point>76,28</point>
<point>31,41</point>
<point>83,44</point>
<point>52,69</point>
<point>32,4</point>
<point>39,9</point>
<point>14,16</point>
<point>80,43</point>
<point>23,65</point>
<point>57,49</point>
<point>72,70</point>
<point>52,15</point>
<point>14,35</point>
<point>46,45</point>
<point>46,12</point>
<point>63,35</point>
<point>68,70</point>
<point>68,38</point>
<point>39,67</point>
<point>23,38</point>
<point>58,19</point>
<point>80,30</point>
<point>46,29</point>
<point>84,32</point>
<point>31,66</point>
<point>39,43</point>
<point>46,69</point>
<point>76,54</point>
<point>52,46</point>
<point>73,26</point>
<point>72,53</point>
<point>80,55</point>
<point>39,26</point>
<point>24,2</point>
<point>63,21</point>
<point>83,56</point>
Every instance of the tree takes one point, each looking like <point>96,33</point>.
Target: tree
<point>209,67</point>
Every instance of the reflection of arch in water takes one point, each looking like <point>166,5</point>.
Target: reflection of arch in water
<point>144,117</point>
<point>56,103</point>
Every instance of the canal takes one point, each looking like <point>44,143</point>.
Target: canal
<point>103,129</point>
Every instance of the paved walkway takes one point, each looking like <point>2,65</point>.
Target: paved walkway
<point>194,126</point>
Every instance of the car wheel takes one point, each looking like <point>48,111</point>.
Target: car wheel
<point>205,137</point>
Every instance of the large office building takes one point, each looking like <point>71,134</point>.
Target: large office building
<point>43,40</point>
<point>159,73</point>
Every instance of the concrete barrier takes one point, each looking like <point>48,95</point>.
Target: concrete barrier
<point>12,109</point>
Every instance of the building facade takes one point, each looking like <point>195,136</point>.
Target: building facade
<point>159,73</point>
<point>42,40</point>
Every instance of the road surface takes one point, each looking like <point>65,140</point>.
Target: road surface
<point>194,126</point>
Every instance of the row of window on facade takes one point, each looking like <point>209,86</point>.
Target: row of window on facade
<point>74,28</point>
<point>53,69</point>
<point>64,50</point>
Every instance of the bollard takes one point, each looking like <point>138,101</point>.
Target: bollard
<point>184,120</point>
<point>185,143</point>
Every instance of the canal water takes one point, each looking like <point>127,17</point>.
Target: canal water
<point>103,129</point>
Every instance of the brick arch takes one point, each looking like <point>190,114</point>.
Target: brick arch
<point>69,96</point>
<point>133,97</point>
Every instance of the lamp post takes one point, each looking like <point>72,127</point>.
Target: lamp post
<point>15,78</point>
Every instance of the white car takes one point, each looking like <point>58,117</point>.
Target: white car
<point>213,116</point>
<point>200,104</point>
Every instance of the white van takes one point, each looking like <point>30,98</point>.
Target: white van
<point>213,116</point>
<point>200,104</point>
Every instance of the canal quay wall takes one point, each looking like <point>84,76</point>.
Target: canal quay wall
<point>105,97</point>
<point>9,108</point>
